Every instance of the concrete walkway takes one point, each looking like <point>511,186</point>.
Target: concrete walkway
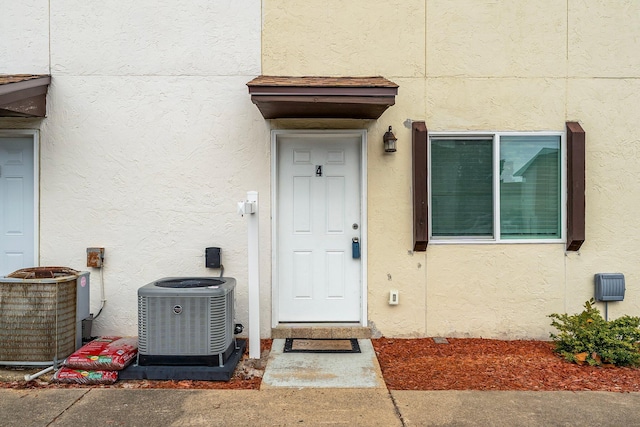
<point>314,390</point>
<point>317,370</point>
<point>313,407</point>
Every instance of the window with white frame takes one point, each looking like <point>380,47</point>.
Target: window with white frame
<point>496,186</point>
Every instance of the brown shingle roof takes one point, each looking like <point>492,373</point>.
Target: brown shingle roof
<point>309,81</point>
<point>16,78</point>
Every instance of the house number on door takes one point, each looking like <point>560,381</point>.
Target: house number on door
<point>319,170</point>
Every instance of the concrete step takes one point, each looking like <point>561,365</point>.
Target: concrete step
<point>319,331</point>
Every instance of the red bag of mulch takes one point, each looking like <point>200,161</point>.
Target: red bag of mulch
<point>79,376</point>
<point>104,353</point>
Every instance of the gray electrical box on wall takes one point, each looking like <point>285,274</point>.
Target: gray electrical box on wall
<point>609,286</point>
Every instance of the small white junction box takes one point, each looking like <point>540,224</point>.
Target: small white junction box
<point>393,297</point>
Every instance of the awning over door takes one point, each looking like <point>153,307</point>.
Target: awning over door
<point>322,97</point>
<point>23,95</point>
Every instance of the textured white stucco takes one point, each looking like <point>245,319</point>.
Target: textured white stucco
<point>24,37</point>
<point>164,37</point>
<point>150,141</point>
<point>150,168</point>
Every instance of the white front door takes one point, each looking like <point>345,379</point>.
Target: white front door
<point>318,216</point>
<point>16,204</point>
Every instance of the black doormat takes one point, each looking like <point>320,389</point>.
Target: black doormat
<point>331,345</point>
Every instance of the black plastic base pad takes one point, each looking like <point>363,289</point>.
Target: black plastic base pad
<point>164,360</point>
<point>196,373</point>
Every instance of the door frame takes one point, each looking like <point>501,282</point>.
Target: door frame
<point>34,134</point>
<point>276,135</point>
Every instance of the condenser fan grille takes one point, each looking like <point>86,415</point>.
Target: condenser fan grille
<point>189,283</point>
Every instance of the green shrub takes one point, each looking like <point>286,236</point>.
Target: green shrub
<point>588,337</point>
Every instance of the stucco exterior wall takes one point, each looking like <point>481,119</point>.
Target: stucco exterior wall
<point>492,66</point>
<point>150,141</point>
<point>24,41</point>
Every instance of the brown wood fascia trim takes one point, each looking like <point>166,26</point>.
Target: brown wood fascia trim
<point>25,98</point>
<point>21,83</point>
<point>19,95</point>
<point>291,107</point>
<point>322,91</point>
<point>420,189</point>
<point>576,185</point>
<point>328,99</point>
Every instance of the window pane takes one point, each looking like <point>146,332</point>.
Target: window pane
<point>529,187</point>
<point>461,187</point>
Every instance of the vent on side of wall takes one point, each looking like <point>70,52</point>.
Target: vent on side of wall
<point>609,286</point>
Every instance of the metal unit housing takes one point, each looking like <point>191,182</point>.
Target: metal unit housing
<point>186,324</point>
<point>41,319</point>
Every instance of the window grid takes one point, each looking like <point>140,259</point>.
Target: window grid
<point>496,238</point>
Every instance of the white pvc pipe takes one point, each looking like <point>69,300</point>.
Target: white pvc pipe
<point>253,245</point>
<point>37,374</point>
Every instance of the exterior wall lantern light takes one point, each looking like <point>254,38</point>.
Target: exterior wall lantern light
<point>389,141</point>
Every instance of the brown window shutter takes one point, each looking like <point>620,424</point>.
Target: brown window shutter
<point>576,155</point>
<point>420,196</point>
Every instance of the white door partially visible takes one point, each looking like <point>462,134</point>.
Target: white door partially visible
<point>318,216</point>
<point>17,212</point>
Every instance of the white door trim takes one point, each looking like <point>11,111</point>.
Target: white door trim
<point>332,133</point>
<point>35,135</point>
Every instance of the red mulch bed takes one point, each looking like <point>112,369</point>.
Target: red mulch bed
<point>484,364</point>
<point>421,364</point>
